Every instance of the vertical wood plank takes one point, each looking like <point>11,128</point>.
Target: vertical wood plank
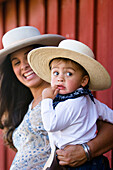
<point>1,24</point>
<point>37,14</point>
<point>2,147</point>
<point>52,16</point>
<point>2,152</point>
<point>105,44</point>
<point>10,15</point>
<point>10,23</point>
<point>68,18</point>
<point>10,156</point>
<point>87,32</point>
<point>22,12</point>
<point>86,22</point>
<point>104,49</point>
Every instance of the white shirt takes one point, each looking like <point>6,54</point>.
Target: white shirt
<point>73,121</point>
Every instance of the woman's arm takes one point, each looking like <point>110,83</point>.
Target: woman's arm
<point>104,140</point>
<point>75,155</point>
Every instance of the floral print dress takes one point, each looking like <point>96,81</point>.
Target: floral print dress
<point>31,141</point>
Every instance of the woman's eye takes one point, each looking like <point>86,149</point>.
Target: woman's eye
<point>16,63</point>
<point>55,73</point>
<point>69,74</point>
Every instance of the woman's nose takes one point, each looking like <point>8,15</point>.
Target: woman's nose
<point>24,65</point>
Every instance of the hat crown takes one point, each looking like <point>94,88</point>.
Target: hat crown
<point>76,46</point>
<point>19,34</point>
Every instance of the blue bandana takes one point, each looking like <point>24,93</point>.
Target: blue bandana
<point>79,92</point>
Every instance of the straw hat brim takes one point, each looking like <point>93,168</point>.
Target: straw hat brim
<point>39,60</point>
<point>46,39</point>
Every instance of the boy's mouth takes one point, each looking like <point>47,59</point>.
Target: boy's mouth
<point>61,87</point>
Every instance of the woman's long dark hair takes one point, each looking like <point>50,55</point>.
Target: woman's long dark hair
<point>14,100</point>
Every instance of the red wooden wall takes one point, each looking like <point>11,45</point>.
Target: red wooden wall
<point>89,21</point>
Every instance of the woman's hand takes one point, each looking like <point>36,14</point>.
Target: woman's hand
<point>72,155</point>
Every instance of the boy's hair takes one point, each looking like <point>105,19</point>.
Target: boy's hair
<point>66,60</point>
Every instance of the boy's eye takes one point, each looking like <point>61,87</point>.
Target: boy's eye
<point>69,74</point>
<point>55,73</point>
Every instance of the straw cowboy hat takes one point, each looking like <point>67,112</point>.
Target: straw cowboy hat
<point>39,60</point>
<point>24,36</point>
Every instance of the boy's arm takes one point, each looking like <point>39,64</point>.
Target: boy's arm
<point>59,118</point>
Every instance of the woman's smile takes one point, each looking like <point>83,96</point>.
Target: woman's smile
<point>29,75</point>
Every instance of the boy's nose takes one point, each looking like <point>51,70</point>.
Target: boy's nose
<point>60,78</point>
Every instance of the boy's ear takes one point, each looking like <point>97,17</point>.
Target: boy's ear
<point>85,81</point>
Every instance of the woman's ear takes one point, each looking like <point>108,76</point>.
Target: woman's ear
<point>85,81</point>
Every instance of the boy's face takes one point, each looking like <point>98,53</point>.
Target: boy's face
<point>68,76</point>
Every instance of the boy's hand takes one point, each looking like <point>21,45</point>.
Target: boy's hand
<point>50,92</point>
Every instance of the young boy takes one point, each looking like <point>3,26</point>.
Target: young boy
<point>69,111</point>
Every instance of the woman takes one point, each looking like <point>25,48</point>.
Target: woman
<point>20,87</point>
<point>20,97</point>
